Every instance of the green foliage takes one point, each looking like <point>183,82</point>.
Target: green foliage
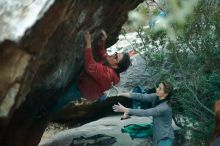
<point>187,53</point>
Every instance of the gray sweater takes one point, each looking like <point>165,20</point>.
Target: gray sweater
<point>162,116</point>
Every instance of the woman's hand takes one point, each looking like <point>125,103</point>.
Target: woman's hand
<point>102,38</point>
<point>120,108</point>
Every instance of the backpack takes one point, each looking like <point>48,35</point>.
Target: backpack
<point>96,140</point>
<point>138,130</point>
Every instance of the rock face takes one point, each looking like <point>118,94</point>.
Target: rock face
<point>110,126</point>
<point>35,70</point>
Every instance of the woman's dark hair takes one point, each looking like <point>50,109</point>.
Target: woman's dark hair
<point>168,88</point>
<point>123,64</point>
<point>216,131</point>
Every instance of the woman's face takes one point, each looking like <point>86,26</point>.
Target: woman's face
<point>114,59</point>
<point>160,91</point>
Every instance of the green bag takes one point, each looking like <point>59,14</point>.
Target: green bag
<point>138,130</point>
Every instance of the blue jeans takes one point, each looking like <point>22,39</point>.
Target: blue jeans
<point>137,104</point>
<point>102,98</point>
<point>72,94</point>
<point>165,142</point>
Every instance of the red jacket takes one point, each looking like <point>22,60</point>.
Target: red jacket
<point>97,77</point>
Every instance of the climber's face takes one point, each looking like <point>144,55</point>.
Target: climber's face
<point>114,59</point>
<point>117,57</point>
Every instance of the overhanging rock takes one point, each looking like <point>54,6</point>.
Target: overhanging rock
<point>39,67</point>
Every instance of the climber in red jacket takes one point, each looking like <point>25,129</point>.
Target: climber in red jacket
<point>98,76</point>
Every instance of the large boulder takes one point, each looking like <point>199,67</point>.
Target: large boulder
<point>46,60</point>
